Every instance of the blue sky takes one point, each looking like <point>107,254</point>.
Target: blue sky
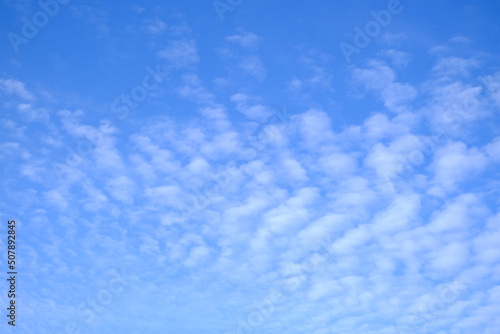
<point>252,166</point>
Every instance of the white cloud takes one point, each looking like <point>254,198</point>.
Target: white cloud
<point>455,163</point>
<point>253,66</point>
<point>446,261</point>
<point>180,53</point>
<point>398,58</point>
<point>315,127</point>
<point>233,204</point>
<point>492,83</point>
<point>245,39</point>
<point>454,66</point>
<point>17,88</point>
<point>155,26</point>
<point>381,79</point>
<point>249,107</point>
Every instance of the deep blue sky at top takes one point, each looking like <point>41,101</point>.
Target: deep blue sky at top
<point>102,61</point>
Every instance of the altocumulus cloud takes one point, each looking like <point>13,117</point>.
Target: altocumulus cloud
<point>253,190</point>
